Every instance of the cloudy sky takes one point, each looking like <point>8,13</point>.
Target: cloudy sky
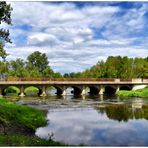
<point>76,35</point>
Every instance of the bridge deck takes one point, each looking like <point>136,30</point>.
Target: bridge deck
<point>144,81</point>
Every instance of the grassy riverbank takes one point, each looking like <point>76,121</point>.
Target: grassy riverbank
<point>18,124</point>
<point>134,93</point>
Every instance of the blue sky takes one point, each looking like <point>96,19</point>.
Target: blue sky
<point>76,35</point>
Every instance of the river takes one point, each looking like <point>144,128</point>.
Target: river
<point>93,120</point>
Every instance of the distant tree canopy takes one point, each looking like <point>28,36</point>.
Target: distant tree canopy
<point>115,67</point>
<point>39,60</point>
<point>36,65</point>
<point>5,17</point>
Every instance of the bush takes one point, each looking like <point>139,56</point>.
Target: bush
<point>134,93</point>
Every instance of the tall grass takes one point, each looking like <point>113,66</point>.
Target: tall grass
<point>134,93</point>
<point>23,115</point>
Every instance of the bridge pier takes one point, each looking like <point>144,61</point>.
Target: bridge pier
<point>43,90</point>
<point>64,91</point>
<point>102,89</point>
<point>83,92</point>
<point>117,89</point>
<point>1,91</point>
<point>22,94</point>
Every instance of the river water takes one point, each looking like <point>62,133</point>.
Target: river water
<point>93,120</point>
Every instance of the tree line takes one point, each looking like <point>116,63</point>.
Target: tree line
<point>36,65</point>
<point>115,67</point>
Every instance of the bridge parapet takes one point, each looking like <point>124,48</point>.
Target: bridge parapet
<point>145,80</point>
<point>76,79</point>
<point>137,80</point>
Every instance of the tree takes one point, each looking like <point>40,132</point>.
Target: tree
<point>48,72</point>
<point>17,68</point>
<point>5,17</point>
<point>39,60</point>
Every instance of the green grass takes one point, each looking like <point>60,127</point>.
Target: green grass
<point>23,117</point>
<point>26,116</point>
<point>20,140</point>
<point>134,93</point>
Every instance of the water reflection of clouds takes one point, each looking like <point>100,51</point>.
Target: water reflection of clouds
<point>92,128</point>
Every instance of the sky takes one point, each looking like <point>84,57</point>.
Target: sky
<point>76,35</point>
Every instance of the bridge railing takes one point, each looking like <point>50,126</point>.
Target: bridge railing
<point>75,79</point>
<point>125,80</point>
<point>58,79</point>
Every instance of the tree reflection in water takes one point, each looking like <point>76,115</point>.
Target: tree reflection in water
<point>125,112</point>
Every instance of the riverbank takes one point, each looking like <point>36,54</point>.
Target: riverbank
<point>18,124</point>
<point>134,93</point>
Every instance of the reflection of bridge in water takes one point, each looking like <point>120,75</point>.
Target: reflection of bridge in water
<point>120,112</point>
<point>63,109</point>
<point>80,86</point>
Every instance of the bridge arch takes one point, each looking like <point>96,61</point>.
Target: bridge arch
<point>93,90</point>
<point>12,89</point>
<point>75,90</point>
<point>32,90</point>
<point>110,89</point>
<point>69,90</point>
<point>55,90</point>
<point>125,87</point>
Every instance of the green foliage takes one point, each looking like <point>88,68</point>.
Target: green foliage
<point>16,114</point>
<point>31,90</point>
<point>38,60</point>
<point>5,17</point>
<point>17,68</point>
<point>3,53</point>
<point>20,140</point>
<point>35,66</point>
<point>123,112</point>
<point>24,117</point>
<point>134,93</point>
<point>12,89</point>
<point>115,67</point>
<point>117,112</point>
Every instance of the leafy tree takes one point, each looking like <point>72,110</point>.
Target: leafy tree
<point>17,68</point>
<point>57,75</point>
<point>32,70</point>
<point>48,72</point>
<point>3,53</point>
<point>116,67</point>
<point>5,17</point>
<point>39,60</point>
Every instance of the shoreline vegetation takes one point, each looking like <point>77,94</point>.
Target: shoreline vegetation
<point>134,93</point>
<point>18,124</point>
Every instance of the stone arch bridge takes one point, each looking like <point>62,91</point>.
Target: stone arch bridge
<point>96,86</point>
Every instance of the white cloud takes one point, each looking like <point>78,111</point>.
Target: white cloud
<point>90,127</point>
<point>42,39</point>
<point>70,36</point>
